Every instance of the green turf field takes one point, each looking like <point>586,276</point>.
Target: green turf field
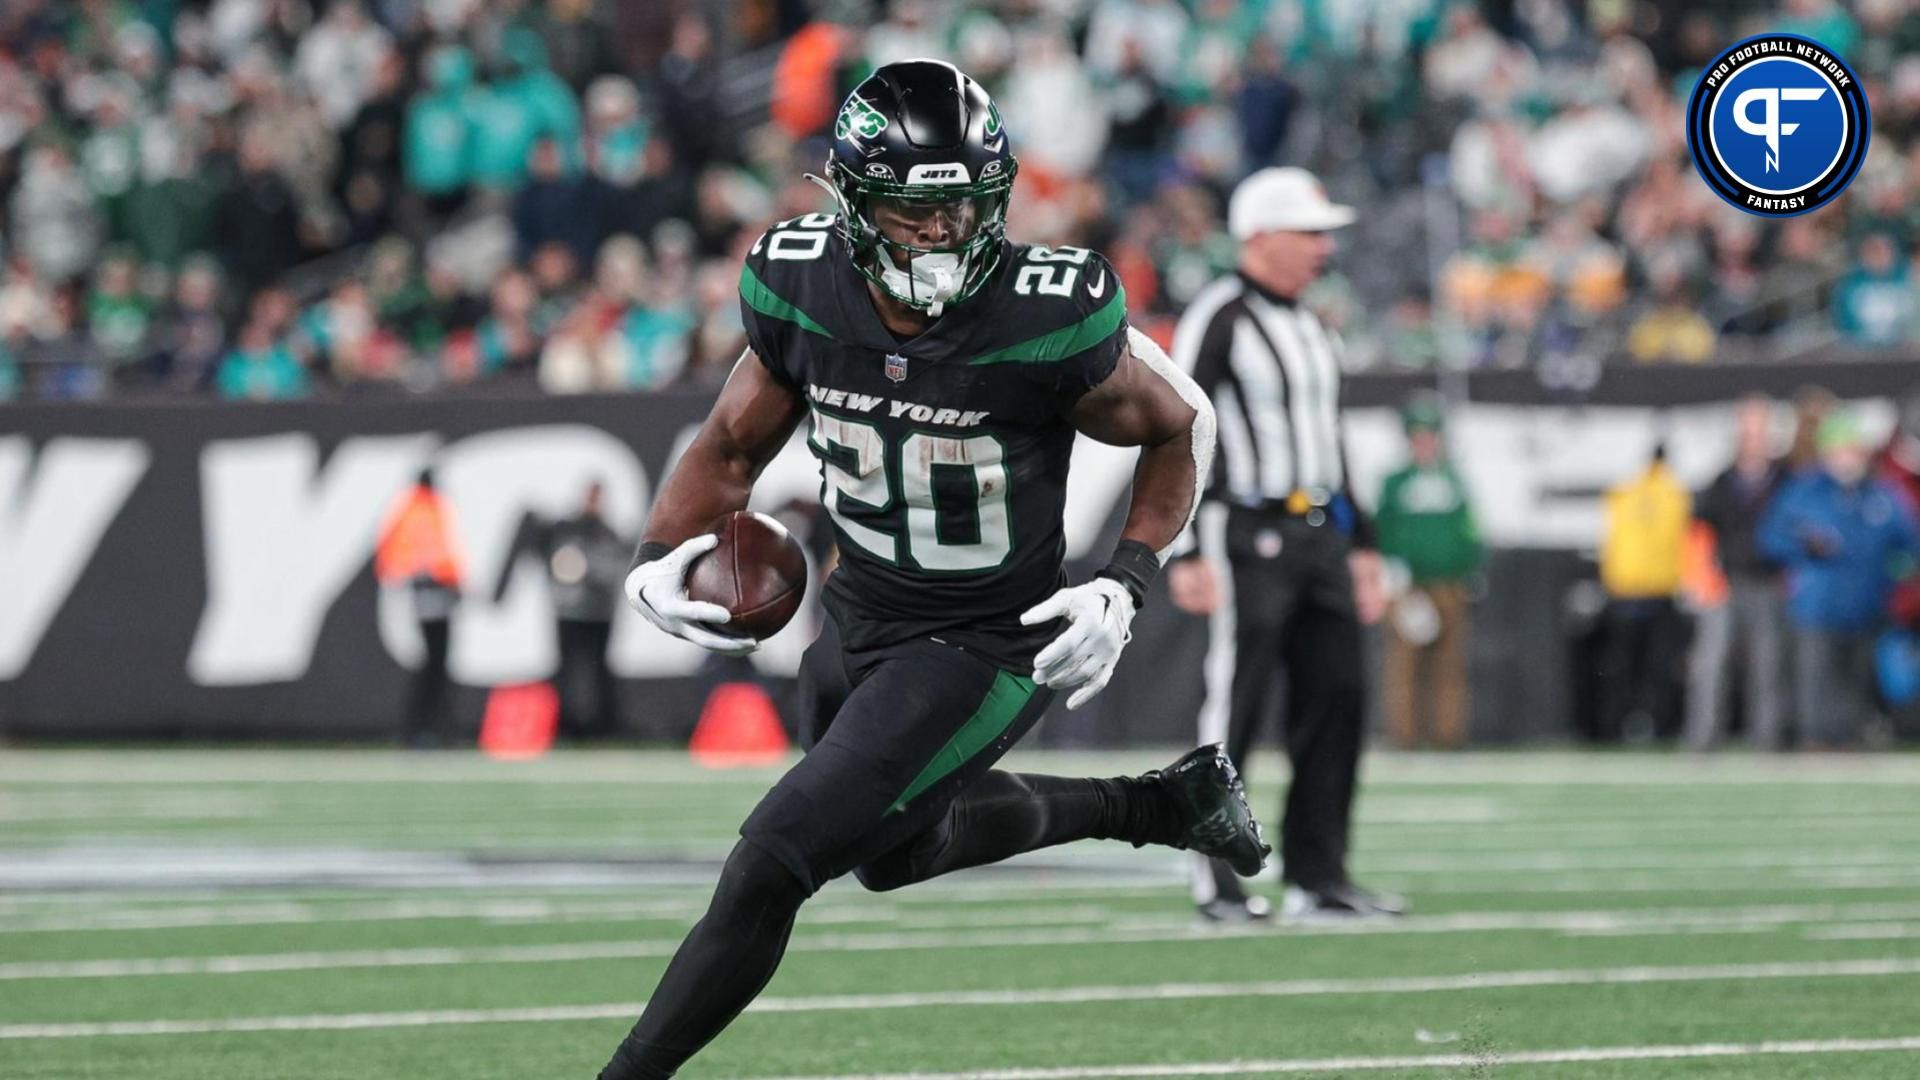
<point>354,915</point>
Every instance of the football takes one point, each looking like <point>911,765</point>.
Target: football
<point>758,572</point>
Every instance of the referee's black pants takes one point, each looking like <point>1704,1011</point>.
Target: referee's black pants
<point>1290,612</point>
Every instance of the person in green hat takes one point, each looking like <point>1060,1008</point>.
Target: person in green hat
<point>1427,535</point>
<point>1846,537</point>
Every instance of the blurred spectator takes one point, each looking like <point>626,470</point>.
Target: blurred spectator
<point>59,354</point>
<point>419,551</point>
<point>1425,527</point>
<point>1898,464</point>
<point>1142,126</point>
<point>687,85</point>
<point>609,340</point>
<point>1734,306</point>
<point>170,213</point>
<point>507,338</point>
<point>425,311</point>
<point>1054,142</point>
<point>191,337</point>
<point>1641,556</point>
<point>1743,631</point>
<point>584,561</point>
<point>1155,29</point>
<point>1265,105</point>
<point>524,104</point>
<point>1824,21</point>
<point>1811,407</point>
<point>1845,537</point>
<point>262,366</point>
<point>908,31</point>
<point>442,131</point>
<point>119,315</point>
<point>339,60</point>
<point>9,368</point>
<point>370,164</point>
<point>554,207</point>
<point>1671,327</point>
<point>617,134</point>
<point>578,40</point>
<point>1874,303</point>
<point>110,152</point>
<point>256,229</point>
<point>342,338</point>
<point>54,223</point>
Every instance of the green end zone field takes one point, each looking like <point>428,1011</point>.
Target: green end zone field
<point>372,915</point>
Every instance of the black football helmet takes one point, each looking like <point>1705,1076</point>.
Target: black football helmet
<point>920,138</point>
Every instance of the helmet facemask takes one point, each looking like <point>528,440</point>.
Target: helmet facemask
<point>923,277</point>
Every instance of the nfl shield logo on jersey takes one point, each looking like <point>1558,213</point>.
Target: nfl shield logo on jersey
<point>896,367</point>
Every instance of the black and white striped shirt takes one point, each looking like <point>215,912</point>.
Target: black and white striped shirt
<point>1272,372</point>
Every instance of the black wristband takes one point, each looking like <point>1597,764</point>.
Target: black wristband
<point>649,552</point>
<point>1134,565</point>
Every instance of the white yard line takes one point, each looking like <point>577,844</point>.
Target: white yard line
<point>839,903</point>
<point>160,908</point>
<point>257,909</point>
<point>1865,932</point>
<point>1821,879</point>
<point>1411,1061</point>
<point>1047,929</point>
<point>1067,995</point>
<point>1557,861</point>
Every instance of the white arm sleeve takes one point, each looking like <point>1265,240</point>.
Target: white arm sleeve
<point>1157,361</point>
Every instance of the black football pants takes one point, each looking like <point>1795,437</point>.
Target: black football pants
<point>896,787</point>
<point>1291,615</point>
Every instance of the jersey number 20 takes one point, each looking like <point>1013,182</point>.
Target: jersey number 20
<point>953,490</point>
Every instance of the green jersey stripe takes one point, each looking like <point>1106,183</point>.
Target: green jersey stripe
<point>1005,698</point>
<point>773,305</point>
<point>1066,341</point>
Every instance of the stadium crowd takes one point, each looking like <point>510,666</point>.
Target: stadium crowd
<point>267,198</point>
<point>1788,586</point>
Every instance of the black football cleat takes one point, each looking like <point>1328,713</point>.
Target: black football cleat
<point>1215,819</point>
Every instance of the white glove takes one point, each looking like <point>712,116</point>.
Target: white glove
<point>658,591</point>
<point>1099,618</point>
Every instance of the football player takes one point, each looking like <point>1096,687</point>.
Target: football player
<point>943,371</point>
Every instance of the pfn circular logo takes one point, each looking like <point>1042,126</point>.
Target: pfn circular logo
<point>1778,125</point>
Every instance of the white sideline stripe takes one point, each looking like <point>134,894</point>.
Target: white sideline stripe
<point>537,911</point>
<point>113,913</point>
<point>1556,861</point>
<point>1051,929</point>
<point>1869,932</point>
<point>1868,879</point>
<point>1410,1061</point>
<point>1067,995</point>
<point>248,910</point>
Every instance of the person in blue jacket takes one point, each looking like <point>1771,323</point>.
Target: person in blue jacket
<point>1846,537</point>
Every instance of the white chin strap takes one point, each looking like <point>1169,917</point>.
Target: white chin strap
<point>936,277</point>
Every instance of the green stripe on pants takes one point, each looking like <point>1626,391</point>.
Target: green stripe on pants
<point>1005,698</point>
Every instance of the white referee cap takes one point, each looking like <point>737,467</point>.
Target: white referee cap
<point>1283,200</point>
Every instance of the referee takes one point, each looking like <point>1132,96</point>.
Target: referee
<point>1302,572</point>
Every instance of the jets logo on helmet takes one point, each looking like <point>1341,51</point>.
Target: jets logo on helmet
<point>858,120</point>
<point>922,172</point>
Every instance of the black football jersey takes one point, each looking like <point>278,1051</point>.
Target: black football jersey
<point>943,458</point>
